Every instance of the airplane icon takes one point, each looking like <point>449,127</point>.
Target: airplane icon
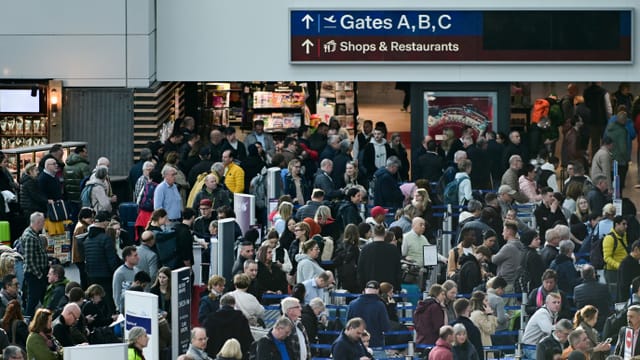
<point>330,19</point>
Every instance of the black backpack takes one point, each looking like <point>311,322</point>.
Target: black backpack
<point>522,284</point>
<point>596,256</point>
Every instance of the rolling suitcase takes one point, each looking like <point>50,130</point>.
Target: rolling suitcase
<point>128,213</point>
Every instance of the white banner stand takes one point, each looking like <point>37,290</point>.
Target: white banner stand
<point>141,309</point>
<point>96,352</point>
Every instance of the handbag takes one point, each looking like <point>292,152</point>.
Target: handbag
<point>57,211</point>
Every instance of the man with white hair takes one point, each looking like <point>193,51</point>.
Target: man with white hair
<point>198,346</point>
<point>35,262</point>
<point>167,196</point>
<point>568,277</point>
<point>552,343</point>
<point>312,316</point>
<point>298,340</point>
<point>324,181</point>
<point>550,249</point>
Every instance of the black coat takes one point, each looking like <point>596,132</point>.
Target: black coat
<point>50,186</point>
<point>251,166</point>
<point>266,348</point>
<point>592,292</point>
<point>547,347</point>
<point>386,192</point>
<point>311,324</point>
<point>473,334</point>
<point>346,261</point>
<point>101,259</point>
<point>470,275</point>
<point>429,166</point>
<point>481,169</point>
<point>339,167</point>
<point>628,270</point>
<point>32,199</point>
<point>465,351</point>
<point>379,261</point>
<point>224,324</point>
<point>274,280</point>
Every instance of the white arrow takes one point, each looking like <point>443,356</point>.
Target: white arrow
<point>307,19</point>
<point>307,44</point>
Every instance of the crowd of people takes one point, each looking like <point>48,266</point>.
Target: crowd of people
<point>348,218</point>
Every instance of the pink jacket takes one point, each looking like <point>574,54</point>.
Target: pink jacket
<point>442,351</point>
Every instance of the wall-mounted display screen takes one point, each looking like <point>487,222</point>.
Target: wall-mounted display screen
<point>18,101</point>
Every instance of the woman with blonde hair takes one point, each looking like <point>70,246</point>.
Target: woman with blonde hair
<point>285,212</point>
<point>482,316</point>
<point>230,350</point>
<point>308,266</point>
<point>301,232</point>
<point>582,211</point>
<point>352,177</point>
<point>328,225</point>
<point>211,303</point>
<point>297,186</point>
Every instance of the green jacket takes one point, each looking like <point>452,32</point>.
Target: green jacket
<point>37,349</point>
<point>54,294</point>
<point>77,169</point>
<point>618,133</point>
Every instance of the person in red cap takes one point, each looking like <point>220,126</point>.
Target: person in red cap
<point>377,216</point>
<point>201,224</point>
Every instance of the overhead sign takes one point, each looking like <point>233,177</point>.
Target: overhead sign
<point>460,36</point>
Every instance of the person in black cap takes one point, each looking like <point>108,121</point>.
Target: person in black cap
<point>369,307</point>
<point>532,260</point>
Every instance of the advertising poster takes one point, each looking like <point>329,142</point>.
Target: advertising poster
<point>141,309</point>
<point>456,109</point>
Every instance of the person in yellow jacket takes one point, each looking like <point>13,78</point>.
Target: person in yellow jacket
<point>233,174</point>
<point>615,248</point>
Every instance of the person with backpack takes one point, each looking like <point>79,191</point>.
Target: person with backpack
<point>145,202</point>
<point>615,247</point>
<point>96,191</point>
<point>458,192</point>
<point>531,266</point>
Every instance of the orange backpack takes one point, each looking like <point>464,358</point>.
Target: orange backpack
<point>540,110</point>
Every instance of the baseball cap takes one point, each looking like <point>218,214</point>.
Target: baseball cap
<point>506,189</point>
<point>372,284</point>
<point>206,202</point>
<point>378,210</point>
